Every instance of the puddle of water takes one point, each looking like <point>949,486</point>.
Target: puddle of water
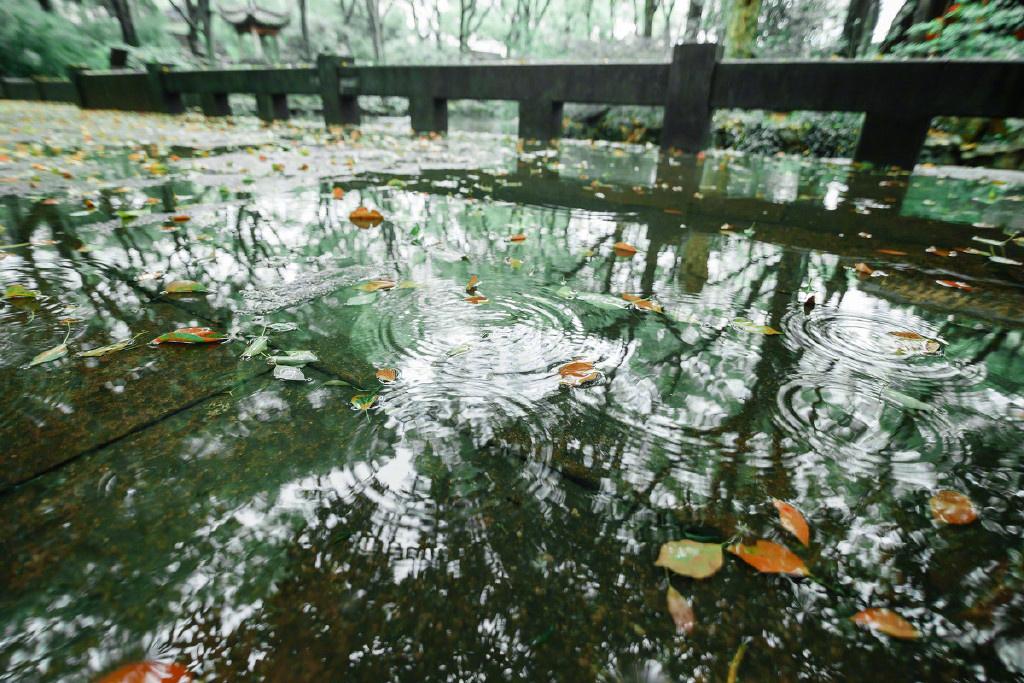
<point>479,520</point>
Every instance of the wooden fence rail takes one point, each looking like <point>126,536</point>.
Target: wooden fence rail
<point>898,97</point>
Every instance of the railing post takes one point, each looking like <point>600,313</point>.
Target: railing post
<point>74,72</point>
<point>272,107</point>
<point>339,108</point>
<point>428,114</point>
<point>160,98</point>
<point>540,119</point>
<point>686,124</point>
<point>889,140</point>
<point>215,104</point>
<point>37,81</point>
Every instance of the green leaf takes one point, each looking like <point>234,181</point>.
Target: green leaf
<point>104,350</point>
<point>190,335</point>
<point>565,292</point>
<point>56,352</point>
<point>184,287</point>
<point>19,292</point>
<point>396,182</point>
<point>361,299</point>
<point>294,358</point>
<point>289,373</point>
<point>363,401</point>
<point>906,401</point>
<point>602,300</point>
<point>746,325</point>
<point>256,347</point>
<point>690,558</point>
<point>339,383</point>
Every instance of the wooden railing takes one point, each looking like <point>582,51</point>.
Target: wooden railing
<point>899,97</point>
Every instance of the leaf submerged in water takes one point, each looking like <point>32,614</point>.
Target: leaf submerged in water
<point>108,349</point>
<point>681,611</point>
<point>952,507</point>
<point>378,285</point>
<point>53,354</point>
<point>905,400</point>
<point>746,325</point>
<point>289,373</point>
<point>363,401</point>
<point>184,287</point>
<point>690,558</point>
<point>386,375</point>
<point>793,521</point>
<point>19,292</point>
<point>190,335</point>
<point>294,358</point>
<point>770,558</point>
<point>887,622</point>
<point>578,373</point>
<point>257,346</point>
<point>366,218</point>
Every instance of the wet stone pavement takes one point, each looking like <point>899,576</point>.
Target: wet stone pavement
<point>844,340</point>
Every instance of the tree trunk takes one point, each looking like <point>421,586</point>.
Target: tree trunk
<point>650,7</point>
<point>693,15</point>
<point>303,20</point>
<point>912,12</point>
<point>206,17</point>
<point>123,12</point>
<point>742,28</point>
<point>861,16</point>
<point>373,19</point>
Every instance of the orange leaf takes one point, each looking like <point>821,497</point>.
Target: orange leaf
<point>50,201</point>
<point>337,193</point>
<point>366,218</point>
<point>577,373</point>
<point>473,282</point>
<point>630,297</point>
<point>908,335</point>
<point>955,284</point>
<point>477,299</point>
<point>624,249</point>
<point>863,268</point>
<point>518,237</point>
<point>886,621</point>
<point>575,368</point>
<point>681,611</point>
<point>770,558</point>
<point>952,507</point>
<point>149,672</point>
<point>793,521</point>
<point>387,375</point>
<point>891,252</point>
<point>181,218</point>
<point>647,305</point>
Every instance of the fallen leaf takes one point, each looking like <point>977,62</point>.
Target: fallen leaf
<point>518,237</point>
<point>289,373</point>
<point>647,305</point>
<point>184,287</point>
<point>952,507</point>
<point>681,611</point>
<point>770,558</point>
<point>905,400</point>
<point>1004,260</point>
<point>387,375</point>
<point>181,218</point>
<point>337,193</point>
<point>624,249</point>
<point>793,521</point>
<point>53,354</point>
<point>941,252</point>
<point>149,672</point>
<point>294,358</point>
<point>190,335</point>
<point>891,252</point>
<point>886,621</point>
<point>256,347</point>
<point>108,349</point>
<point>955,284</point>
<point>630,297</point>
<point>363,401</point>
<point>863,268</point>
<point>514,262</point>
<point>809,304</point>
<point>377,285</point>
<point>50,201</point>
<point>366,218</point>
<point>690,558</point>
<point>746,325</point>
<point>477,299</point>
<point>19,292</point>
<point>907,335</point>
<point>473,282</point>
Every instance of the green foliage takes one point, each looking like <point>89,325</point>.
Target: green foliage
<point>42,43</point>
<point>971,28</point>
